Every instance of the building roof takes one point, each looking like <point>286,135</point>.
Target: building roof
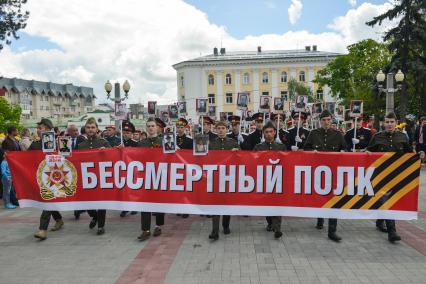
<point>38,87</point>
<point>254,56</point>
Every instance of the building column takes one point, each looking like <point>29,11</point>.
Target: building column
<point>219,91</point>
<point>274,79</point>
<point>255,96</point>
<point>311,76</point>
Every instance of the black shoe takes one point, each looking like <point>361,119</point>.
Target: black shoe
<point>123,213</point>
<point>144,236</point>
<point>278,234</point>
<point>100,231</point>
<point>184,216</point>
<point>157,232</point>
<point>77,215</point>
<point>133,213</point>
<point>226,231</point>
<point>178,215</point>
<point>393,237</point>
<point>93,223</point>
<point>269,228</point>
<point>381,227</point>
<point>334,237</point>
<point>214,236</point>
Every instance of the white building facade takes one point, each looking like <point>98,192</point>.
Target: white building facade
<point>221,76</point>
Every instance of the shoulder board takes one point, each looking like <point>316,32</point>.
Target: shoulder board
<point>306,129</point>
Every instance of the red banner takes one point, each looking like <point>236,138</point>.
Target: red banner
<point>267,183</point>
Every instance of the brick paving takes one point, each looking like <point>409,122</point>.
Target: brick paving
<point>183,254</point>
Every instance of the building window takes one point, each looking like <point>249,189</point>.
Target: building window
<point>211,79</point>
<point>265,78</point>
<point>246,78</point>
<point>320,95</point>
<point>228,79</point>
<point>265,93</point>
<point>182,81</point>
<point>212,100</point>
<point>284,95</point>
<point>229,98</point>
<point>302,76</point>
<point>283,77</point>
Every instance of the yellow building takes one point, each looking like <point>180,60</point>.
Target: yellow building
<point>222,75</point>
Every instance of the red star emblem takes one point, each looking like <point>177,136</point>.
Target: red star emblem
<point>56,175</point>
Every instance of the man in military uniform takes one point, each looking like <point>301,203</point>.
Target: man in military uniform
<point>281,133</point>
<point>160,127</point>
<point>128,130</point>
<point>137,135</point>
<point>94,142</point>
<point>236,129</point>
<point>292,132</point>
<point>363,137</point>
<point>326,139</point>
<point>43,126</point>
<point>255,137</point>
<point>183,141</point>
<point>390,140</point>
<point>207,127</point>
<point>111,136</point>
<point>152,141</point>
<point>222,142</point>
<point>269,132</point>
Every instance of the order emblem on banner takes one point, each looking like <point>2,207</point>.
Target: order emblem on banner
<point>57,177</point>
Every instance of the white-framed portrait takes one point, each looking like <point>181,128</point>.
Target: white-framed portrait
<point>356,108</point>
<point>151,107</point>
<point>300,103</point>
<point>64,146</point>
<point>242,101</point>
<point>278,104</point>
<point>265,104</point>
<point>201,145</point>
<point>169,140</point>
<point>48,142</point>
<point>201,106</point>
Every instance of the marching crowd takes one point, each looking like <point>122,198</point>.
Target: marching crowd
<point>273,132</point>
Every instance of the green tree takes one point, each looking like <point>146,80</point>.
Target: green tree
<point>10,115</point>
<point>407,43</point>
<point>12,19</point>
<point>297,88</point>
<point>352,76</point>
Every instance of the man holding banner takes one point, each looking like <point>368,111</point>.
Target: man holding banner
<point>94,142</point>
<point>269,132</point>
<point>325,139</point>
<point>222,142</point>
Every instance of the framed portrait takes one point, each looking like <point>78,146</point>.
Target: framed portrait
<point>330,106</point>
<point>173,112</point>
<point>182,108</point>
<point>120,111</point>
<point>212,112</point>
<point>169,141</point>
<point>48,142</point>
<point>201,106</point>
<point>278,104</point>
<point>356,108</point>
<point>265,104</point>
<point>201,145</point>
<point>242,101</point>
<point>223,116</point>
<point>165,117</point>
<point>340,111</point>
<point>64,146</point>
<point>300,103</point>
<point>151,107</point>
<point>316,109</point>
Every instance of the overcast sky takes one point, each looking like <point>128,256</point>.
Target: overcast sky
<point>88,42</point>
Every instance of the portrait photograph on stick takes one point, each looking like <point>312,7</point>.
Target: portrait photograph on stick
<point>64,146</point>
<point>242,101</point>
<point>48,142</point>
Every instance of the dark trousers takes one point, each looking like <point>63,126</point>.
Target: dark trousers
<point>390,225</point>
<point>332,224</point>
<point>146,220</point>
<point>99,216</point>
<point>45,218</point>
<point>226,219</point>
<point>274,222</point>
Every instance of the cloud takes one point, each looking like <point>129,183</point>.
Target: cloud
<point>141,40</point>
<point>352,3</point>
<point>295,11</point>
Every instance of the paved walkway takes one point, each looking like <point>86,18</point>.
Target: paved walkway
<point>183,254</point>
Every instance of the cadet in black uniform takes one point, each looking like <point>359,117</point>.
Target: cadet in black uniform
<point>160,127</point>
<point>94,142</point>
<point>222,142</point>
<point>292,132</point>
<point>183,141</point>
<point>390,140</point>
<point>111,136</point>
<point>152,141</point>
<point>255,137</point>
<point>236,129</point>
<point>128,130</point>
<point>207,127</point>
<point>43,126</point>
<point>269,132</point>
<point>326,139</point>
<point>281,133</point>
<point>363,137</point>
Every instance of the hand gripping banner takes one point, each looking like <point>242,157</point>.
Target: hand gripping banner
<point>264,183</point>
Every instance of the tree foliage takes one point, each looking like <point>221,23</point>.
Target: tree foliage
<point>297,88</point>
<point>10,115</point>
<point>407,42</point>
<point>352,76</point>
<point>12,19</point>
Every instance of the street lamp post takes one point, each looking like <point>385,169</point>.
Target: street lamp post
<point>117,95</point>
<point>390,88</point>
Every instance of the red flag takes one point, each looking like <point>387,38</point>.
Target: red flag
<point>2,92</point>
